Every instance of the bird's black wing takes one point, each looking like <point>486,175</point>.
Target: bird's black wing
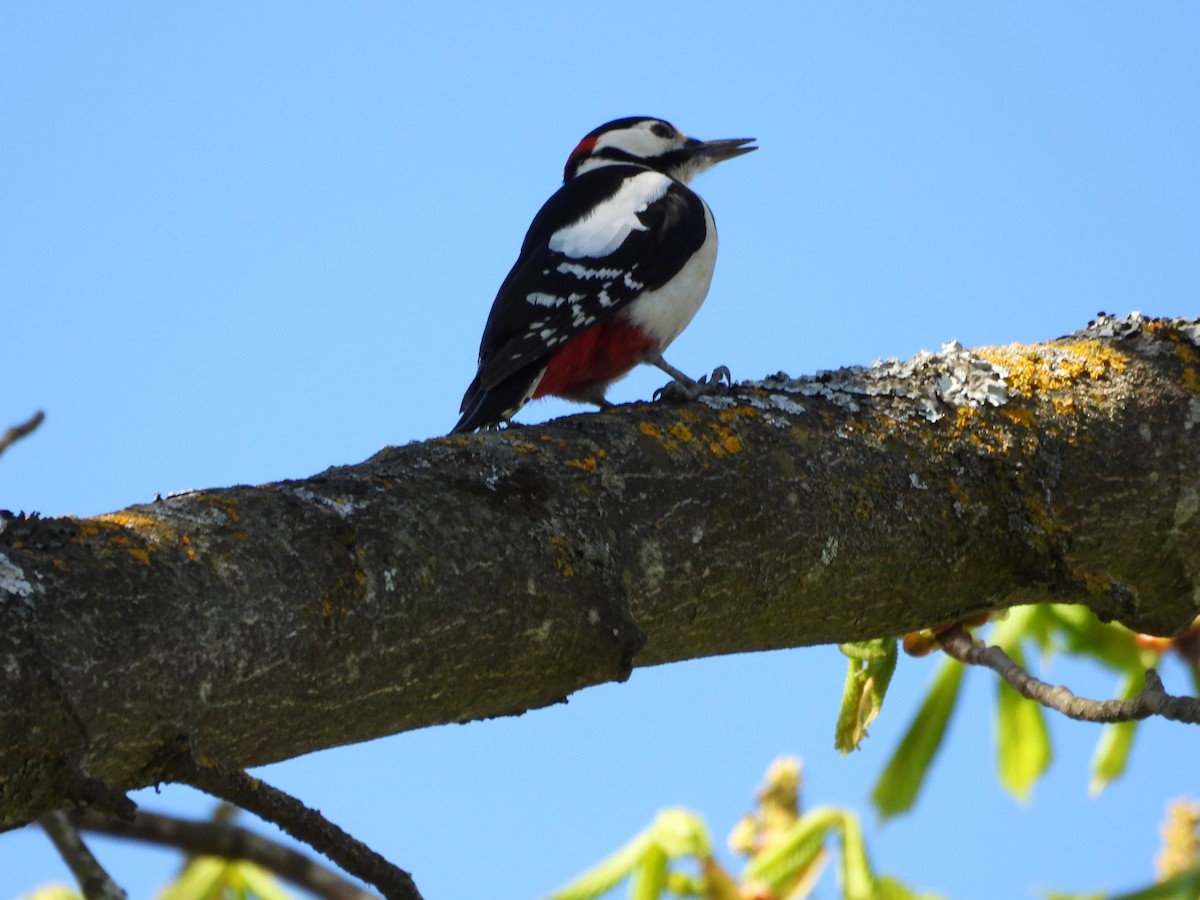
<point>575,270</point>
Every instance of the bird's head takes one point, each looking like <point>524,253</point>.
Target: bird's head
<point>652,143</point>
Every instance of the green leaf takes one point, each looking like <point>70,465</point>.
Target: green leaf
<point>858,881</point>
<point>203,877</point>
<point>650,876</point>
<point>1110,644</point>
<point>53,892</point>
<point>680,832</point>
<point>1184,886</point>
<point>1022,741</point>
<point>1112,750</point>
<point>901,780</point>
<point>794,851</point>
<point>871,666</point>
<point>261,883</point>
<point>672,834</point>
<point>890,889</point>
<point>1034,623</point>
<point>607,874</point>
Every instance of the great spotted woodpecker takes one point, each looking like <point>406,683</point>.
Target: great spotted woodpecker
<point>613,268</point>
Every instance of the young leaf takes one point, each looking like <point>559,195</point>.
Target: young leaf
<point>672,834</point>
<point>261,883</point>
<point>1023,743</point>
<point>203,876</point>
<point>858,881</point>
<point>871,666</point>
<point>889,888</point>
<point>901,780</point>
<point>1110,644</point>
<point>650,876</point>
<point>1112,750</point>
<point>794,851</point>
<point>608,873</point>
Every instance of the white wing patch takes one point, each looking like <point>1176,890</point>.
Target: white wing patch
<point>603,230</point>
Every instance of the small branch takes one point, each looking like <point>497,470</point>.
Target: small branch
<point>1151,700</point>
<point>223,839</point>
<point>93,880</point>
<point>16,432</point>
<point>302,823</point>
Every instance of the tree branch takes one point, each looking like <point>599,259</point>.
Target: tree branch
<point>1151,700</point>
<point>302,823</point>
<point>476,576</point>
<point>16,432</point>
<point>93,880</point>
<point>229,841</point>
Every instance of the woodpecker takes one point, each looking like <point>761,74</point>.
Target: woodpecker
<point>613,268</point>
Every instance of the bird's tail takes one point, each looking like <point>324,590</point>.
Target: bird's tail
<point>482,407</point>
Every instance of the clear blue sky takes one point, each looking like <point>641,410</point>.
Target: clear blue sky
<point>245,242</point>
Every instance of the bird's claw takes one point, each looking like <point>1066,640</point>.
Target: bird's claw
<point>679,392</point>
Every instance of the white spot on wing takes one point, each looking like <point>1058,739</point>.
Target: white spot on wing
<point>585,273</point>
<point>544,299</point>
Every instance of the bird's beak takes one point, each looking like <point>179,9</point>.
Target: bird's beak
<point>710,153</point>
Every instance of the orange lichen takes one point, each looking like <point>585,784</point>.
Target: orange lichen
<point>722,441</point>
<point>728,415</point>
<point>957,492</point>
<point>564,557</point>
<point>1066,406</point>
<point>129,520</point>
<point>650,431</point>
<point>1018,415</point>
<point>587,464</point>
<point>140,555</point>
<point>681,432</point>
<point>1047,367</point>
<point>1096,585</point>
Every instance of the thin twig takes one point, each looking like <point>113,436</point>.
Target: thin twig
<point>93,880</point>
<point>229,841</point>
<point>302,823</point>
<point>1151,700</point>
<point>16,432</point>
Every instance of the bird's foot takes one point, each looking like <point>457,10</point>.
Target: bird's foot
<point>686,390</point>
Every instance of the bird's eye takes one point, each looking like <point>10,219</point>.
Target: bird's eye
<point>663,130</point>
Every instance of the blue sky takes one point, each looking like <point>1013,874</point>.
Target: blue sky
<point>245,242</point>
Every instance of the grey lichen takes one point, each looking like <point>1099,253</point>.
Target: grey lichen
<point>932,383</point>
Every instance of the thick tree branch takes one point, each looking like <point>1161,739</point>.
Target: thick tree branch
<point>229,841</point>
<point>478,576</point>
<point>1151,700</point>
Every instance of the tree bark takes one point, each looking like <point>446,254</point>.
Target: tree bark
<point>468,577</point>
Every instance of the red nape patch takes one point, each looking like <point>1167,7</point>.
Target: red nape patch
<point>584,146</point>
<point>598,355</point>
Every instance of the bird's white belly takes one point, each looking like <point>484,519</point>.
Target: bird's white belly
<point>665,312</point>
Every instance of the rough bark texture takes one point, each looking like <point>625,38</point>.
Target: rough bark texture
<point>479,576</point>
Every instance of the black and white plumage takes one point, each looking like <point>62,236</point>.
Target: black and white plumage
<point>613,268</point>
